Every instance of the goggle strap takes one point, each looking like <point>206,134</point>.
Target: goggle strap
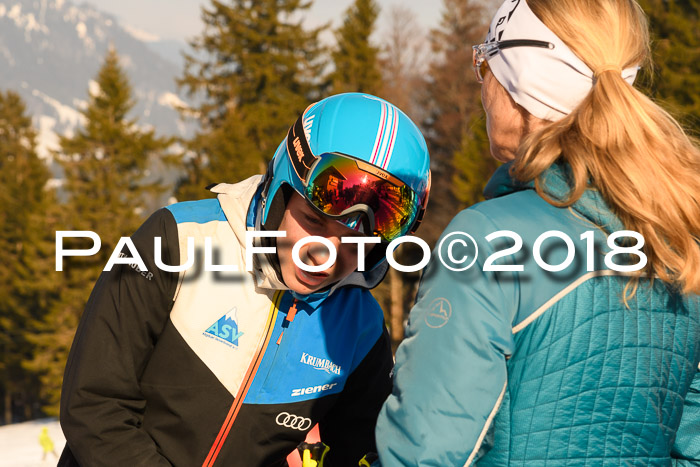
<point>417,222</point>
<point>424,205</point>
<point>299,150</point>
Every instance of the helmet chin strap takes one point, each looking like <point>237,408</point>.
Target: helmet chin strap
<point>277,204</point>
<point>270,262</point>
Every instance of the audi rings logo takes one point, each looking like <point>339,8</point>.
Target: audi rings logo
<point>294,422</point>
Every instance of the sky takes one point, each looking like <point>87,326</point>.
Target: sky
<point>180,19</point>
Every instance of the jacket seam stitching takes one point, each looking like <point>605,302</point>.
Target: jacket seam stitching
<point>564,292</point>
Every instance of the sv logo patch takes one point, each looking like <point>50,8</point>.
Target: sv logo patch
<point>225,329</point>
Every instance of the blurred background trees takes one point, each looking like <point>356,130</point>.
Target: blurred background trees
<point>355,56</point>
<point>674,78</point>
<point>255,68</point>
<point>251,71</point>
<point>25,242</point>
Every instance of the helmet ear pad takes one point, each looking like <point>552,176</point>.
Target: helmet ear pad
<point>278,204</point>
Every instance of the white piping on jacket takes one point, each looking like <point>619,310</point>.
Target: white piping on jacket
<point>487,425</point>
<point>527,321</point>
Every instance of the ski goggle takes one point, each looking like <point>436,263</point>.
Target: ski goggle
<point>481,51</point>
<point>358,194</point>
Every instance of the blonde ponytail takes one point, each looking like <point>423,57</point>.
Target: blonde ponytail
<point>619,141</point>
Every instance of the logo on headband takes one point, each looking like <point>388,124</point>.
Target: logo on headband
<point>499,27</point>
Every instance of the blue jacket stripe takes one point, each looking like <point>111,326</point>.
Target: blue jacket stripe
<point>200,212</point>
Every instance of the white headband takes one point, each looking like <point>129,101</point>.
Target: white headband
<point>548,83</point>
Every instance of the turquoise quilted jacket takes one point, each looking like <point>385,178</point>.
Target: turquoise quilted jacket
<point>530,366</point>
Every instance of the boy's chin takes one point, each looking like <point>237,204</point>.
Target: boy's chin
<point>304,283</point>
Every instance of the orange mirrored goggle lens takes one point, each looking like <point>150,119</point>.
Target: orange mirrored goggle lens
<point>338,184</point>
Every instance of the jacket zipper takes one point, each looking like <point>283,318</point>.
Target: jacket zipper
<point>291,313</point>
<point>247,380</point>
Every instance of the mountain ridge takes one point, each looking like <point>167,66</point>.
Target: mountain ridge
<point>51,51</point>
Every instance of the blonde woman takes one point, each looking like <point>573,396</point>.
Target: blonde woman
<point>572,336</point>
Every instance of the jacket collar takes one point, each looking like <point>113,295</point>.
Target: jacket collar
<point>242,205</point>
<point>235,200</point>
<point>556,182</point>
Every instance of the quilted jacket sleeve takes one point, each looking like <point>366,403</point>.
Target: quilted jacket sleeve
<point>686,449</point>
<point>450,373</point>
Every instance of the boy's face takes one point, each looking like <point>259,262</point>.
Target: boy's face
<point>301,220</point>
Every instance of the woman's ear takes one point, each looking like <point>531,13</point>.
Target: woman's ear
<point>532,123</point>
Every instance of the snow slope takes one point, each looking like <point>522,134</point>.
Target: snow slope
<point>19,443</point>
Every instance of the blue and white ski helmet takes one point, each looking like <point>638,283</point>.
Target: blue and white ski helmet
<point>364,127</point>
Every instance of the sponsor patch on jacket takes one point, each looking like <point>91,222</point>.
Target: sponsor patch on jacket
<point>135,267</point>
<point>322,364</point>
<point>225,329</point>
<point>312,389</point>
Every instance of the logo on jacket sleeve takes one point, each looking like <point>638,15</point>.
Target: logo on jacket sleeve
<point>322,364</point>
<point>225,329</point>
<point>295,422</point>
<point>312,389</point>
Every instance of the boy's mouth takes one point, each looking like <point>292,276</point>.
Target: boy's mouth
<point>311,279</point>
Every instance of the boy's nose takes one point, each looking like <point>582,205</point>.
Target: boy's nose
<point>317,253</point>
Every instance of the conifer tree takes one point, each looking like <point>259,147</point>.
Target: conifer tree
<point>403,85</point>
<point>402,62</point>
<point>355,58</point>
<point>24,285</point>
<point>453,111</point>
<point>254,69</point>
<point>106,166</point>
<point>107,162</point>
<point>473,163</point>
<point>675,78</point>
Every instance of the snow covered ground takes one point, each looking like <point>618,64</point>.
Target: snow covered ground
<point>19,443</point>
